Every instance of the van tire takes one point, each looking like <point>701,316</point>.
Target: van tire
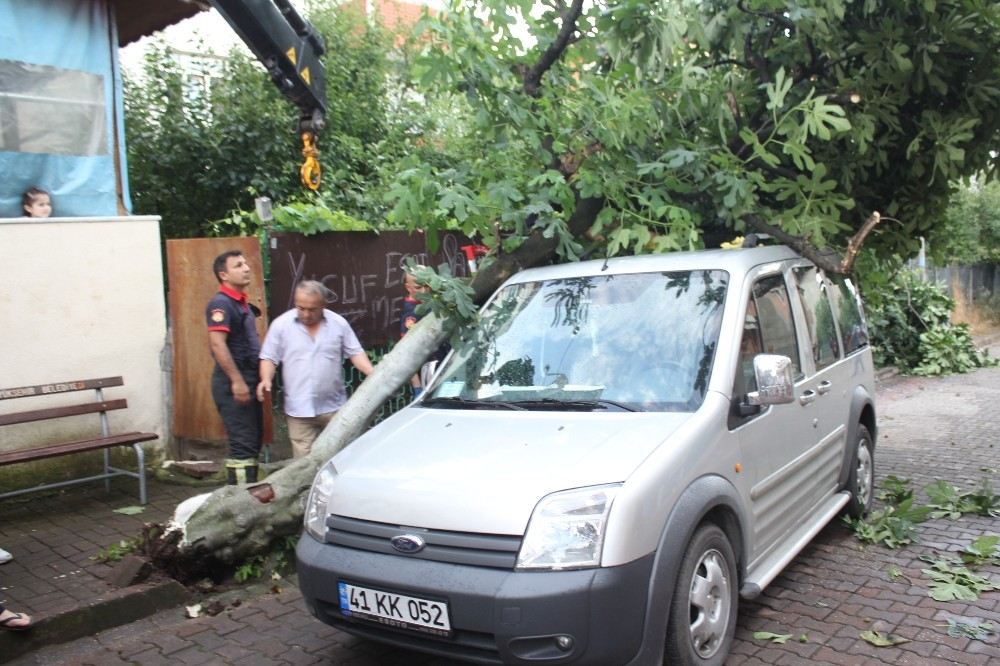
<point>702,621</point>
<point>861,480</point>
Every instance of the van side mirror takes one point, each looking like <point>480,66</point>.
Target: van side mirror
<point>774,380</point>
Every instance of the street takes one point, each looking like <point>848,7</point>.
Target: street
<point>837,588</point>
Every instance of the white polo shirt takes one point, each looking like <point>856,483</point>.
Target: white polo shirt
<point>312,370</point>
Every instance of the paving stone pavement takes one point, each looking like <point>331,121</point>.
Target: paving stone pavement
<point>56,536</point>
<point>939,428</point>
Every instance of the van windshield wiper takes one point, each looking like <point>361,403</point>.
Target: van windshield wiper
<point>471,404</point>
<point>576,404</point>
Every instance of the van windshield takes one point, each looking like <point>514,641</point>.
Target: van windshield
<point>635,342</point>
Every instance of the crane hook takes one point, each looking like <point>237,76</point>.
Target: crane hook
<point>309,172</point>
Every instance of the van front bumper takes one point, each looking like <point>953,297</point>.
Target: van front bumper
<point>588,616</point>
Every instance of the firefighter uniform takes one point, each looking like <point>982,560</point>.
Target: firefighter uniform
<point>230,312</point>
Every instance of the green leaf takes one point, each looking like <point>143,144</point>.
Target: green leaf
<point>972,630</point>
<point>895,490</point>
<point>946,590</point>
<point>778,90</point>
<point>893,526</point>
<point>774,638</point>
<point>882,639</point>
<point>982,550</point>
<point>950,582</point>
<point>130,510</point>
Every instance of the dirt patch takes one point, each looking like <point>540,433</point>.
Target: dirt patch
<point>980,322</point>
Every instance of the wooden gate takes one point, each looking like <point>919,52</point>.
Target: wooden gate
<point>191,285</point>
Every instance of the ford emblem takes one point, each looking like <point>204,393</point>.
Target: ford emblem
<point>408,543</point>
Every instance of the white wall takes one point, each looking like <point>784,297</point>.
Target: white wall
<point>80,299</point>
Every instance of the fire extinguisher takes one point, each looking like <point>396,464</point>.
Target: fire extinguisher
<point>472,254</point>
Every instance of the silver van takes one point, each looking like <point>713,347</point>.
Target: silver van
<point>619,451</point>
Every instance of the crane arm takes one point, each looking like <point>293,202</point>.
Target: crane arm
<point>289,48</point>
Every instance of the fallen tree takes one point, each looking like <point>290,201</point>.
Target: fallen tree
<point>653,127</point>
<point>236,522</point>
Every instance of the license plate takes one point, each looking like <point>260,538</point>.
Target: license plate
<point>394,610</point>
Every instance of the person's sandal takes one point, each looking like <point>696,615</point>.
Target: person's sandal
<point>6,624</point>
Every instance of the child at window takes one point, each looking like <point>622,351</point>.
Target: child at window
<point>36,203</point>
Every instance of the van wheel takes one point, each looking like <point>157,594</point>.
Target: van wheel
<point>703,610</point>
<point>861,481</point>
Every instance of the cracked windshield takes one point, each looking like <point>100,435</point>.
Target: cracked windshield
<point>632,342</point>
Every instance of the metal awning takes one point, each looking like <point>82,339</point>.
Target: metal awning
<point>138,19</point>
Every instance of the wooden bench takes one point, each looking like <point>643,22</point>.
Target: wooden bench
<point>105,442</point>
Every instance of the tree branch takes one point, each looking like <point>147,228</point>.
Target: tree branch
<point>734,108</point>
<point>828,260</point>
<point>726,61</point>
<point>778,19</point>
<point>533,77</point>
<point>854,244</point>
<point>570,163</point>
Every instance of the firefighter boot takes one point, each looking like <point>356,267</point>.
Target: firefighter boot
<point>241,471</point>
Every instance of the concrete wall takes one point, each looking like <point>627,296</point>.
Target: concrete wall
<point>82,298</point>
<point>970,283</point>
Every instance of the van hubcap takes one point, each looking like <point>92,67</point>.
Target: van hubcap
<point>863,475</point>
<point>710,603</point>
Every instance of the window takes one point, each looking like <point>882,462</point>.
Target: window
<point>767,328</point>
<point>853,330</point>
<point>750,346</point>
<point>51,110</point>
<point>774,312</point>
<point>644,340</point>
<point>813,289</point>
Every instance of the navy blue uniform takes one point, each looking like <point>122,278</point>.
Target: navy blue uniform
<point>228,311</point>
<point>409,315</point>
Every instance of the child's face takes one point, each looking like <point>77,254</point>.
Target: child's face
<point>412,287</point>
<point>40,206</point>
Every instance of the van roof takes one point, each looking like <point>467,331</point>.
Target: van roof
<point>736,262</point>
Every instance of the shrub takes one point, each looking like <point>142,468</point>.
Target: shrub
<point>946,350</point>
<point>910,326</point>
<point>899,310</point>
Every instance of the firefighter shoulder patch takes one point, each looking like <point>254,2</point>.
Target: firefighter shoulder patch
<point>218,316</point>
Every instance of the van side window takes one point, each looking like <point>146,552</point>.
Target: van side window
<point>774,313</point>
<point>767,328</point>
<point>813,290</point>
<point>853,329</point>
<point>750,346</point>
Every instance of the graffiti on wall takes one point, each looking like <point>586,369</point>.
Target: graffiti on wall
<point>362,270</point>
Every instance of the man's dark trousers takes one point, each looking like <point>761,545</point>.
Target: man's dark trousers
<point>243,423</point>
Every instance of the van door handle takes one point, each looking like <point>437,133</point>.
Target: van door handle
<point>807,397</point>
<point>824,387</point>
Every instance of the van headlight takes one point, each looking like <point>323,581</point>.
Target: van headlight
<point>566,530</point>
<point>316,510</point>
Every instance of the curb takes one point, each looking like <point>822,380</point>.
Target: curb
<point>113,609</point>
<point>987,340</point>
<point>883,374</point>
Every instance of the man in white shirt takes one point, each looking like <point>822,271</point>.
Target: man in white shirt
<point>310,344</point>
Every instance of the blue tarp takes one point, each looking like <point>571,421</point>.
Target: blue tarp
<point>60,95</point>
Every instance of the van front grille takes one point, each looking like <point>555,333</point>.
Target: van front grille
<point>479,550</point>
